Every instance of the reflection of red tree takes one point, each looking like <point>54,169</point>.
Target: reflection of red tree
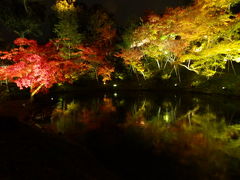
<point>107,106</point>
<point>95,119</point>
<point>86,116</point>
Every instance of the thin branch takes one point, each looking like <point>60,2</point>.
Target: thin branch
<point>189,68</point>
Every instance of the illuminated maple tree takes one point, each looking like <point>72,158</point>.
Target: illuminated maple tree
<point>38,67</point>
<point>132,57</point>
<point>201,37</point>
<point>101,34</point>
<point>70,44</point>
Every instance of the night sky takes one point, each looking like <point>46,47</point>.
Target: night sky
<point>128,9</point>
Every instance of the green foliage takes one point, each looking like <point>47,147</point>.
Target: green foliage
<point>67,27</point>
<point>127,38</point>
<point>21,25</point>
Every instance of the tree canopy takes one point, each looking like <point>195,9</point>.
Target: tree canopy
<point>202,37</point>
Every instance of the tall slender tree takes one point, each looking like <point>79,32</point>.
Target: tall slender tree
<point>67,27</point>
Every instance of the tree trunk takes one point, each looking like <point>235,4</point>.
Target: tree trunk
<point>36,90</point>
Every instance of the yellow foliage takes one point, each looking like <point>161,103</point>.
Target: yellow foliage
<point>63,5</point>
<point>231,49</point>
<point>192,34</point>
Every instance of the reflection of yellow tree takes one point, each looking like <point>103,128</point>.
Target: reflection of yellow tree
<point>141,114</point>
<point>167,112</point>
<point>198,136</point>
<point>64,117</point>
<point>137,115</point>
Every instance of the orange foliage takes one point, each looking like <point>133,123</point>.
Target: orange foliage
<point>105,71</point>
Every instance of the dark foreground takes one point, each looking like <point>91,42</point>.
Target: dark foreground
<point>125,137</point>
<point>26,153</point>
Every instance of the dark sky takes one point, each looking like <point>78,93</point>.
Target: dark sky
<point>126,9</point>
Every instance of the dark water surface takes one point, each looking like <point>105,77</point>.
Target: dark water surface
<point>146,135</point>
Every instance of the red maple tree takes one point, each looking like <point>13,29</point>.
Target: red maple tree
<point>38,67</point>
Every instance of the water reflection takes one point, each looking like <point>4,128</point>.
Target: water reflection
<point>142,111</point>
<point>200,131</point>
<point>68,117</point>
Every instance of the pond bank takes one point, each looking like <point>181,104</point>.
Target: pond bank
<point>26,153</point>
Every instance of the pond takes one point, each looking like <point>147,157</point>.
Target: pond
<point>146,135</point>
